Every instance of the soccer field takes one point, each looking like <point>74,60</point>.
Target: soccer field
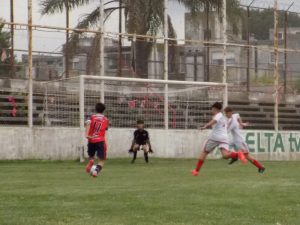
<point>162,192</point>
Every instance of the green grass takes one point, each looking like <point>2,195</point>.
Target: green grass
<point>163,192</point>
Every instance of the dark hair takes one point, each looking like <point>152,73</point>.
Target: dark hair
<point>140,122</point>
<point>217,105</point>
<point>228,109</point>
<point>99,107</point>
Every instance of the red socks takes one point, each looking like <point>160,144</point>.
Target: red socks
<point>234,155</point>
<point>199,165</point>
<point>257,164</point>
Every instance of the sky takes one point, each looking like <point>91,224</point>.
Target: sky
<point>52,41</point>
<point>282,4</point>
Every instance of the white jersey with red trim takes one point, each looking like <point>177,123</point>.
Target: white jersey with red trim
<point>233,127</point>
<point>219,129</point>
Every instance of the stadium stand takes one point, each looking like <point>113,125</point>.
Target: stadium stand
<point>260,115</point>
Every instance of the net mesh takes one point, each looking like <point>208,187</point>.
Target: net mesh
<point>61,103</point>
<point>127,101</point>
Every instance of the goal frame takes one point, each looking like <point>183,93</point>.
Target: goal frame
<point>82,79</point>
<point>166,84</point>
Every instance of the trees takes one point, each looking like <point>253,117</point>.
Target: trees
<point>143,17</point>
<point>261,21</point>
<point>5,57</point>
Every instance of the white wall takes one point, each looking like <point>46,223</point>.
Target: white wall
<point>64,143</point>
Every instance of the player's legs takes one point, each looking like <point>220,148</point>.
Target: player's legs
<point>101,154</point>
<point>146,150</point>
<point>200,162</point>
<point>136,148</point>
<point>226,154</point>
<point>91,154</point>
<point>234,156</point>
<point>207,148</point>
<point>256,163</point>
<point>243,147</point>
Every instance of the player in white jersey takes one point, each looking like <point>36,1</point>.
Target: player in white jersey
<point>217,138</point>
<point>238,141</point>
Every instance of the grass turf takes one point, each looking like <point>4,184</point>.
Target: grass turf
<point>163,192</point>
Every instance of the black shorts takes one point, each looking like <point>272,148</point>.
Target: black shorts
<point>99,148</point>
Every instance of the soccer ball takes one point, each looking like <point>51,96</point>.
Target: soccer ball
<point>93,169</point>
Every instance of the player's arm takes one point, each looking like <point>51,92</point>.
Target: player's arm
<point>87,128</point>
<point>132,143</point>
<point>209,124</point>
<point>148,142</point>
<point>241,123</point>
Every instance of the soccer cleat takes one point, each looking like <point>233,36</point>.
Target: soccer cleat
<point>242,157</point>
<point>195,173</point>
<point>232,160</point>
<point>89,166</point>
<point>262,170</point>
<point>95,173</point>
<point>132,161</point>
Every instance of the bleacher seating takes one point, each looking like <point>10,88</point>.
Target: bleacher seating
<point>259,115</point>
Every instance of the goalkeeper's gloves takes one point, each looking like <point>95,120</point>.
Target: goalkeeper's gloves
<point>150,150</point>
<point>130,151</point>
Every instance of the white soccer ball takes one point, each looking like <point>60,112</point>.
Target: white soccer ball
<point>93,169</point>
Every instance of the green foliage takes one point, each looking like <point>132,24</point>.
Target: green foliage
<point>234,12</point>
<point>4,44</point>
<point>142,17</point>
<point>4,36</point>
<point>261,21</point>
<point>296,85</point>
<point>53,6</point>
<point>263,80</point>
<point>162,193</point>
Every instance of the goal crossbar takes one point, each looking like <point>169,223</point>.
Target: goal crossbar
<point>165,91</point>
<point>153,81</point>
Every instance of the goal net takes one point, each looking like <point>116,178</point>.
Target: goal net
<point>175,104</point>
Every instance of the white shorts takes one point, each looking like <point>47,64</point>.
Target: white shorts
<point>210,145</point>
<point>240,145</point>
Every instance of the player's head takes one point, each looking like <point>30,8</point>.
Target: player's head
<point>99,107</point>
<point>228,112</point>
<point>216,107</point>
<point>140,124</point>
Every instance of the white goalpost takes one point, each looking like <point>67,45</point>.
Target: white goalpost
<point>69,102</point>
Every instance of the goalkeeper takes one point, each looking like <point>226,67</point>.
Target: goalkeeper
<point>141,141</point>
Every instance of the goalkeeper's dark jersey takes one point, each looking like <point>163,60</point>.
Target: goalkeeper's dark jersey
<point>141,136</point>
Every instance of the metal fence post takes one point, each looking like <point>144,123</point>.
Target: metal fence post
<point>225,97</point>
<point>166,66</point>
<point>224,8</point>
<point>30,82</point>
<point>276,66</point>
<point>101,53</point>
<point>81,117</point>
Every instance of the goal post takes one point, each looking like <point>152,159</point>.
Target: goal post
<point>183,105</point>
<point>138,95</point>
<point>68,102</point>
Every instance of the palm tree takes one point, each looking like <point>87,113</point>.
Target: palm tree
<point>5,56</point>
<point>143,17</point>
